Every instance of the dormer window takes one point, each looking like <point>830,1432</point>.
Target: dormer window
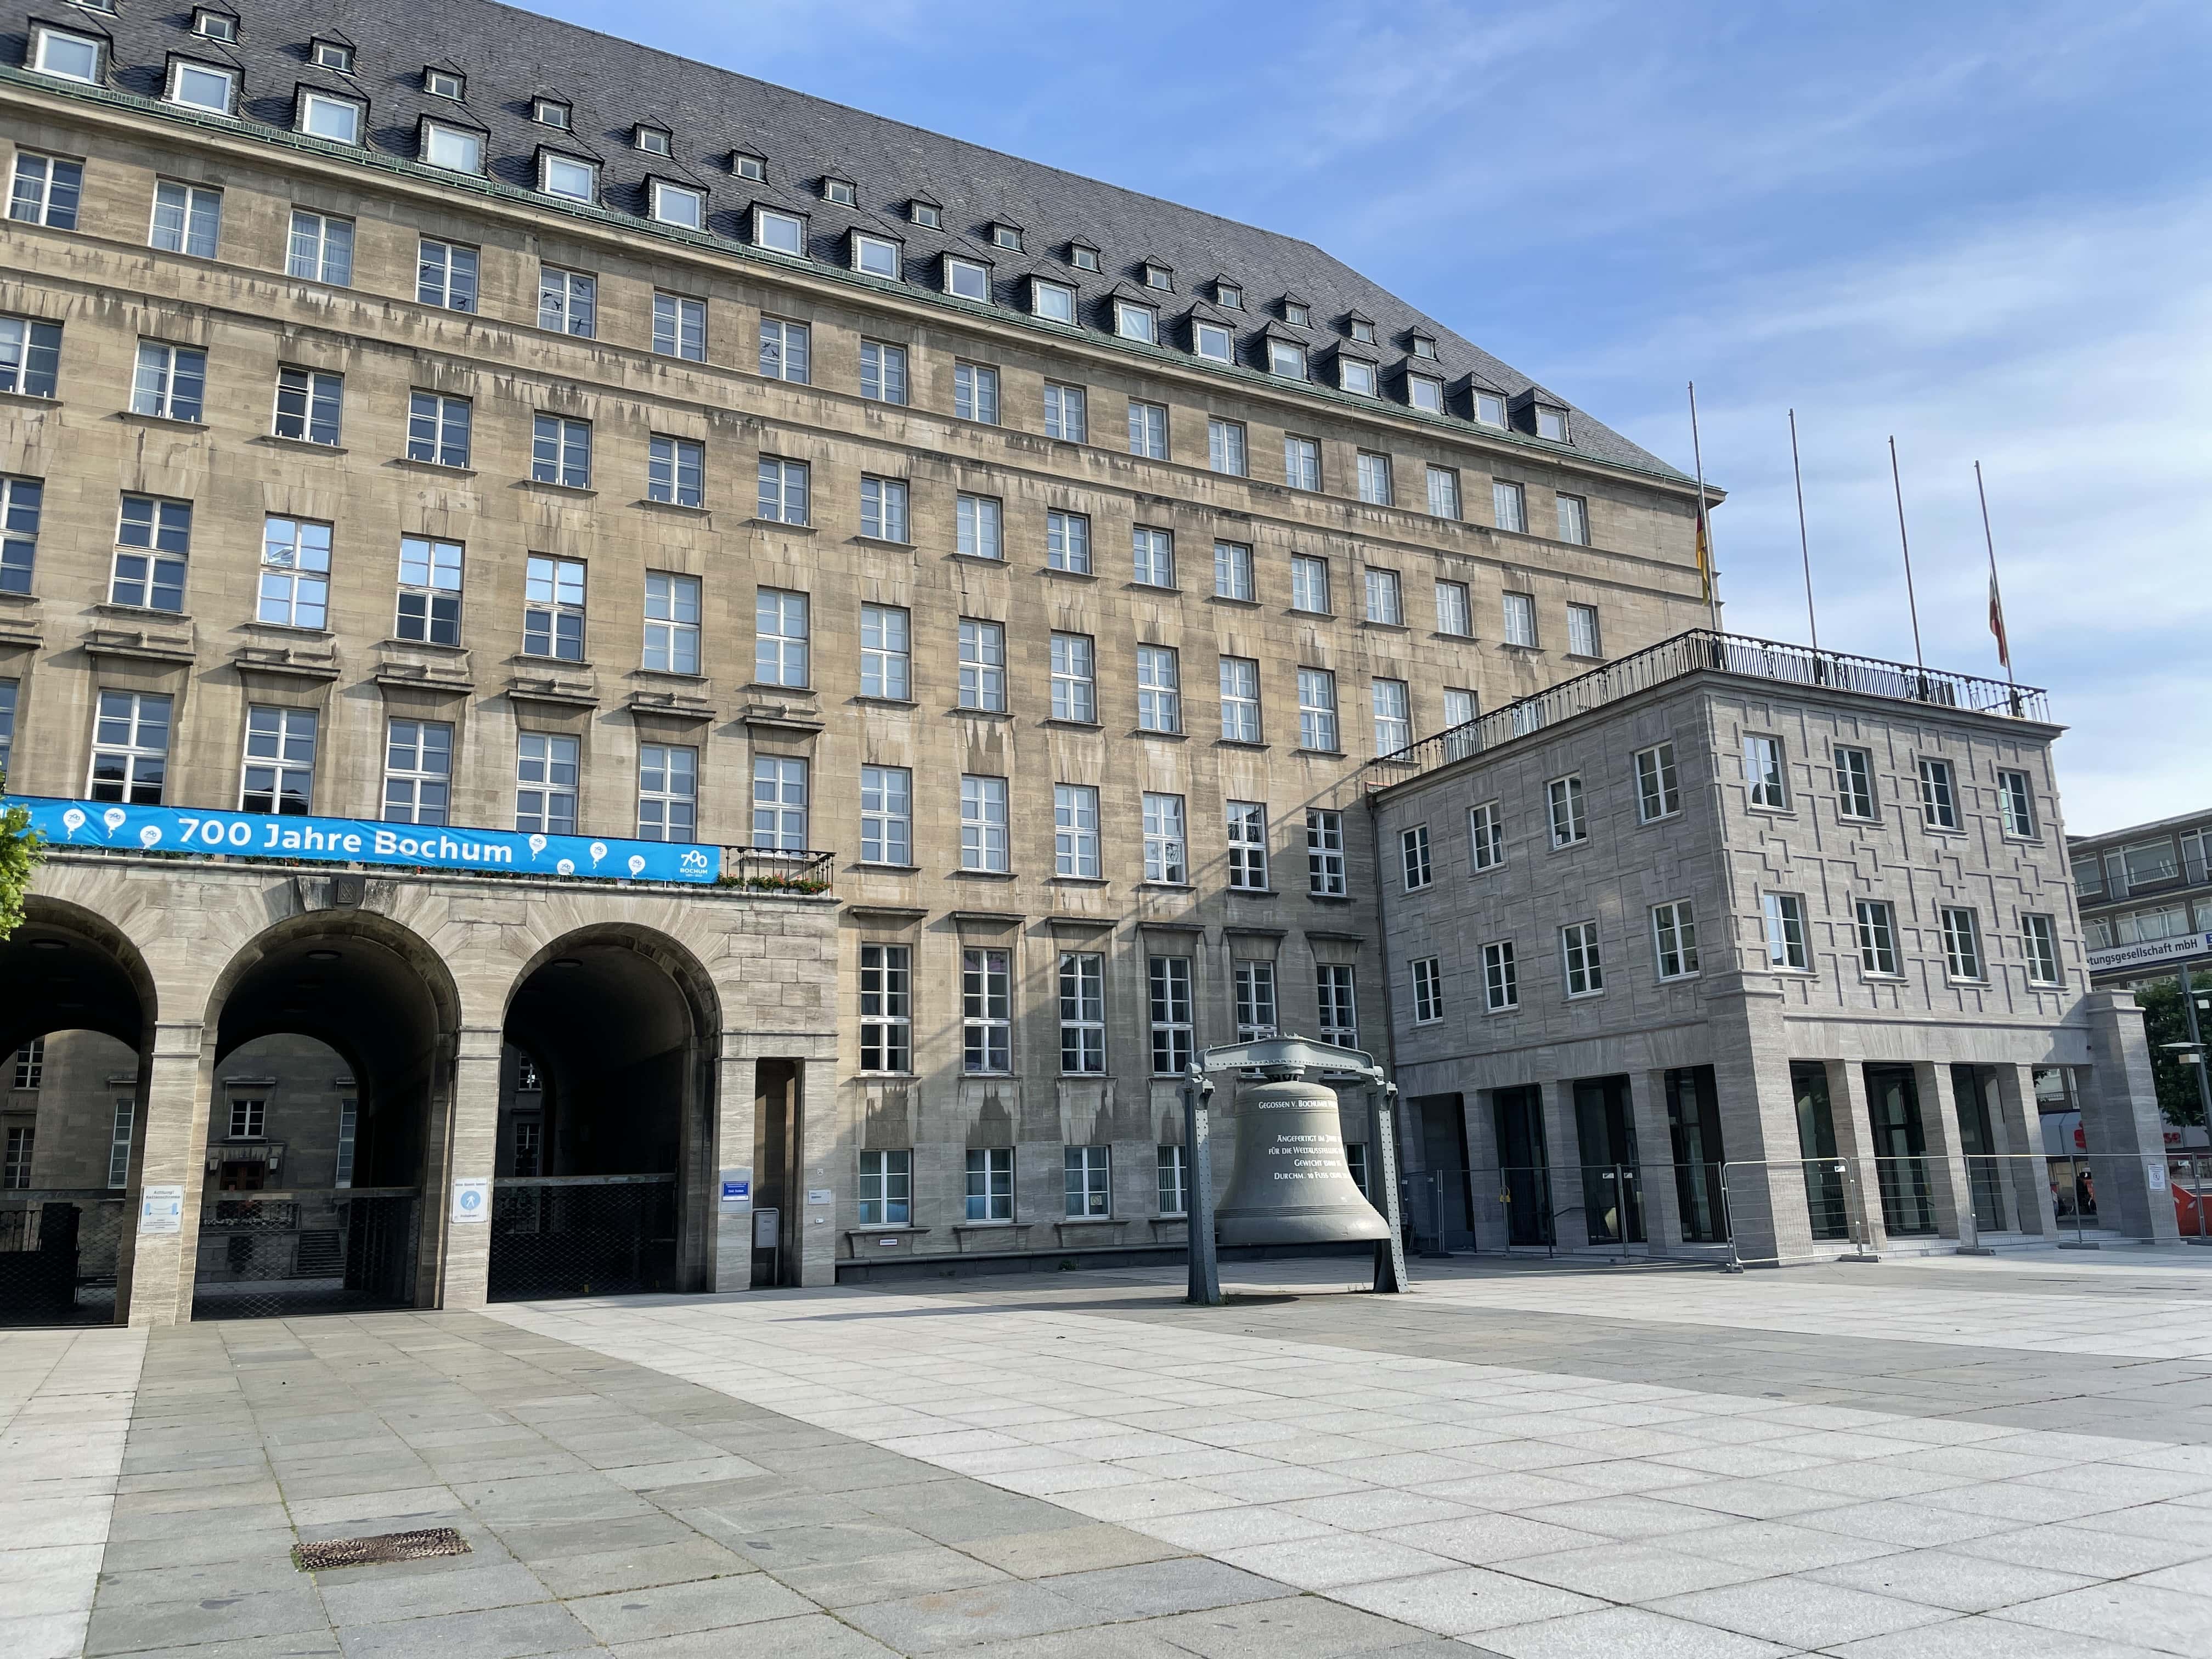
<point>444,83</point>
<point>784,232</point>
<point>1007,236</point>
<point>549,112</point>
<point>1424,347</point>
<point>746,164</point>
<point>338,119</point>
<point>679,205</point>
<point>70,56</point>
<point>876,255</point>
<point>1426,391</point>
<point>1287,359</point>
<point>1136,322</point>
<point>1229,296</point>
<point>1055,301</point>
<point>967,279</point>
<point>925,214</point>
<point>1489,408</point>
<point>1355,376</point>
<point>1552,422</point>
<point>334,55</point>
<point>567,178</point>
<point>1159,277</point>
<point>455,147</point>
<point>215,25</point>
<point>1296,314</point>
<point>1082,256</point>
<point>841,192</point>
<point>1362,331</point>
<point>202,85</point>
<point>654,141</point>
<point>1213,340</point>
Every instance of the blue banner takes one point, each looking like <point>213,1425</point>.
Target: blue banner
<point>362,841</point>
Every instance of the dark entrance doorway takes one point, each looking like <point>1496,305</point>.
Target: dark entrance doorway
<point>1824,1201</point>
<point>1524,1173</point>
<point>1612,1202</point>
<point>1900,1149</point>
<point>1693,1125</point>
<point>1444,1214</point>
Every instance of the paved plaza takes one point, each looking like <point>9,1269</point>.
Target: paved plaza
<point>1932,1459</point>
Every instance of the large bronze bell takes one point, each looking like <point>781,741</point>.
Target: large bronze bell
<point>1289,1183</point>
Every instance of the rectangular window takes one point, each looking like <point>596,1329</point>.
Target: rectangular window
<point>1165,844</point>
<point>1287,359</point>
<point>430,591</point>
<point>976,532</point>
<point>1254,983</point>
<point>188,219</point>
<point>783,490</point>
<point>1428,990</point>
<point>1240,700</point>
<point>1574,520</point>
<point>1569,821</point>
<point>1082,1012</point>
<point>990,1184</point>
<point>1317,711</point>
<point>30,356</point>
<point>676,471</point>
<point>1394,718</point>
<point>1414,858</point>
<point>71,57</point>
<point>1140,323</point>
<point>1148,430</point>
<point>1339,1011</point>
<point>47,191</point>
<point>1443,493</point>
<point>1877,930</point>
<point>1160,689</point>
<point>2149,861</point>
<point>672,623</point>
<point>1232,571</point>
<point>568,301</point>
<point>1385,598</point>
<point>887,1008</point>
<point>546,767</point>
<point>679,205</point>
<point>1174,1169</point>
<point>1501,977</point>
<point>1068,542</point>
<point>886,1188</point>
<point>1089,1177</point>
<point>418,771</point>
<point>1486,827</point>
<point>553,608</point>
<point>1675,940</point>
<point>1074,684</point>
<point>248,1119</point>
<point>154,539</point>
<point>561,452</point>
<point>445,275</point>
<point>309,405</point>
<point>1459,710</point>
<point>667,792</point>
<point>2017,802</point>
<point>885,653</point>
<point>1764,774</point>
<point>20,502</point>
<point>679,327</point>
<point>119,1143</point>
<point>976,392</point>
<point>1066,415</point>
<point>1578,956</point>
<point>1224,447</point>
<point>1854,782</point>
<point>1171,1009</point>
<point>780,632</point>
<point>1786,945</point>
<point>1521,619</point>
<point>438,428</point>
<point>1247,845</point>
<point>883,508</point>
<point>1509,505</point>
<point>7,689</point>
<point>1374,478</point>
<point>780,803</point>
<point>1152,553</point>
<point>986,1013</point>
<point>983,823</point>
<point>320,249</point>
<point>1455,611</point>
<point>982,667</point>
<point>171,381</point>
<point>1325,870</point>
<point>2039,946</point>
<point>786,351</point>
<point>279,773</point>
<point>1301,462</point>
<point>1962,943</point>
<point>1658,792</point>
<point>200,86</point>
<point>295,573</point>
<point>1582,640</point>
<point>16,1172</point>
<point>1938,801</point>
<point>1075,832</point>
<point>886,815</point>
<point>883,372</point>
<point>1308,584</point>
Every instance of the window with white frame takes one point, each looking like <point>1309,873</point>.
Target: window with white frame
<point>338,119</point>
<point>70,56</point>
<point>667,792</point>
<point>886,1008</point>
<point>1455,611</point>
<point>1232,572</point>
<point>1325,867</point>
<point>1765,774</point>
<point>1136,322</point>
<point>1089,1185</point>
<point>780,803</point>
<point>1787,947</point>
<point>1583,637</point>
<point>456,150</point>
<point>30,356</point>
<point>679,205</point>
<point>445,275</point>
<point>1166,845</point>
<point>1501,977</point>
<point>337,55</point>
<point>1675,940</point>
<point>883,372</point>
<point>1067,541</point>
<point>1520,610</point>
<point>567,300</point>
<point>1578,956</point>
<point>295,573</point>
<point>1247,821</point>
<point>202,85</point>
<point>976,392</point>
<point>561,452</point>
<point>1066,413</point>
<point>1564,800</point>
<point>781,634</point>
<point>1171,1009</point>
<point>1173,1168</point>
<point>1286,359</point>
<point>990,1184</point>
<point>2148,861</point>
<point>1413,863</point>
<point>1055,301</point>
<point>1317,729</point>
<point>1962,943</point>
<point>1877,931</point>
<point>1148,430</point>
<point>1075,832</point>
<point>1428,990</point>
<point>1301,462</point>
<point>1309,584</point>
<point>886,653</point>
<point>2017,802</point>
<point>1939,798</point>
<point>1393,716</point>
<point>786,351</point>
<point>553,608</point>
<point>1486,827</point>
<point>152,542</point>
<point>886,815</point>
<point>1074,679</point>
<point>886,1194</point>
<point>1212,340</point>
<point>985,1012</point>
<point>31,1064</point>
<point>672,623</point>
<point>546,767</point>
<point>1339,1004</point>
<point>319,248</point>
<point>1253,990</point>
<point>47,189</point>
<point>883,508</point>
<point>444,82</point>
<point>976,519</point>
<point>1658,789</point>
<point>129,748</point>
<point>1574,520</point>
<point>1552,423</point>
<point>982,665</point>
<point>1385,598</point>
<point>2040,948</point>
<point>983,825</point>
<point>171,381</point>
<point>1459,711</point>
<point>1509,505</point>
<point>1152,553</point>
<point>1225,447</point>
<point>1082,1013</point>
<point>1240,700</point>
<point>783,233</point>
<point>278,772</point>
<point>1443,493</point>
<point>418,771</point>
<point>967,280</point>
<point>1160,689</point>
<point>430,591</point>
<point>675,470</point>
<point>1854,782</point>
<point>310,404</point>
<point>784,490</point>
<point>1374,478</point>
<point>679,327</point>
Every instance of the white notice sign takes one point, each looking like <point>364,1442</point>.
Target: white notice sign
<point>821,1196</point>
<point>2154,1173</point>
<point>472,1200</point>
<point>162,1210</point>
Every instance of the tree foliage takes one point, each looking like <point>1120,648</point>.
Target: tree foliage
<point>21,849</point>
<point>2166,1021</point>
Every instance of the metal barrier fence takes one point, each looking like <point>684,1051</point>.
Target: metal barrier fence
<point>564,1235</point>
<point>1576,1207</point>
<point>59,1249</point>
<point>276,1255</point>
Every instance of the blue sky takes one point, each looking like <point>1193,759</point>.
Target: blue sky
<point>1983,228</point>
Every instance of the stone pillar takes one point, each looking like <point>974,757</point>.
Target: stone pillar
<point>730,1254</point>
<point>1492,1231</point>
<point>1855,1145</point>
<point>815,1113</point>
<point>1946,1165</point>
<point>2121,1120</point>
<point>155,1279</point>
<point>1767,1216</point>
<point>1562,1158</point>
<point>2019,1129</point>
<point>456,1255</point>
<point>1656,1174</point>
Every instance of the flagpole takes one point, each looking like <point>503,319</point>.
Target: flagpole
<point>1711,572</point>
<point>1996,594</point>
<point>1804,546</point>
<point>1911,602</point>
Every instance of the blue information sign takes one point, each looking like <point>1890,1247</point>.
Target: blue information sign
<point>362,841</point>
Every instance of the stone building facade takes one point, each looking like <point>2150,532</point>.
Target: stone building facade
<point>2146,898</point>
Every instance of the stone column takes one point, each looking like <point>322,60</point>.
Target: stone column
<point>155,1280</point>
<point>456,1255</point>
<point>1855,1144</point>
<point>1767,1216</point>
<point>1562,1158</point>
<point>1656,1175</point>
<point>2019,1129</point>
<point>1946,1165</point>
<point>730,1252</point>
<point>1486,1181</point>
<point>815,1113</point>
<point>2124,1128</point>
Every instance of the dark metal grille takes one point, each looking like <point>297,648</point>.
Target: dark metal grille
<point>563,1236</point>
<point>328,1552</point>
<point>272,1255</point>
<point>57,1255</point>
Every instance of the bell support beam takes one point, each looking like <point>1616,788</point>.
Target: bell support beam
<point>1205,1290</point>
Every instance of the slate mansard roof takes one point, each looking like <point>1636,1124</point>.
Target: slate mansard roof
<point>510,58</point>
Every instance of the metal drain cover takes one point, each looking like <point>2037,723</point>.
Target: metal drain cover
<point>385,1547</point>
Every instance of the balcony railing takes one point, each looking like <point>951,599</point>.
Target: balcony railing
<point>762,870</point>
<point>1698,650</point>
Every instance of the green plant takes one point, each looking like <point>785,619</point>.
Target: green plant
<point>2166,1021</point>
<point>22,848</point>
